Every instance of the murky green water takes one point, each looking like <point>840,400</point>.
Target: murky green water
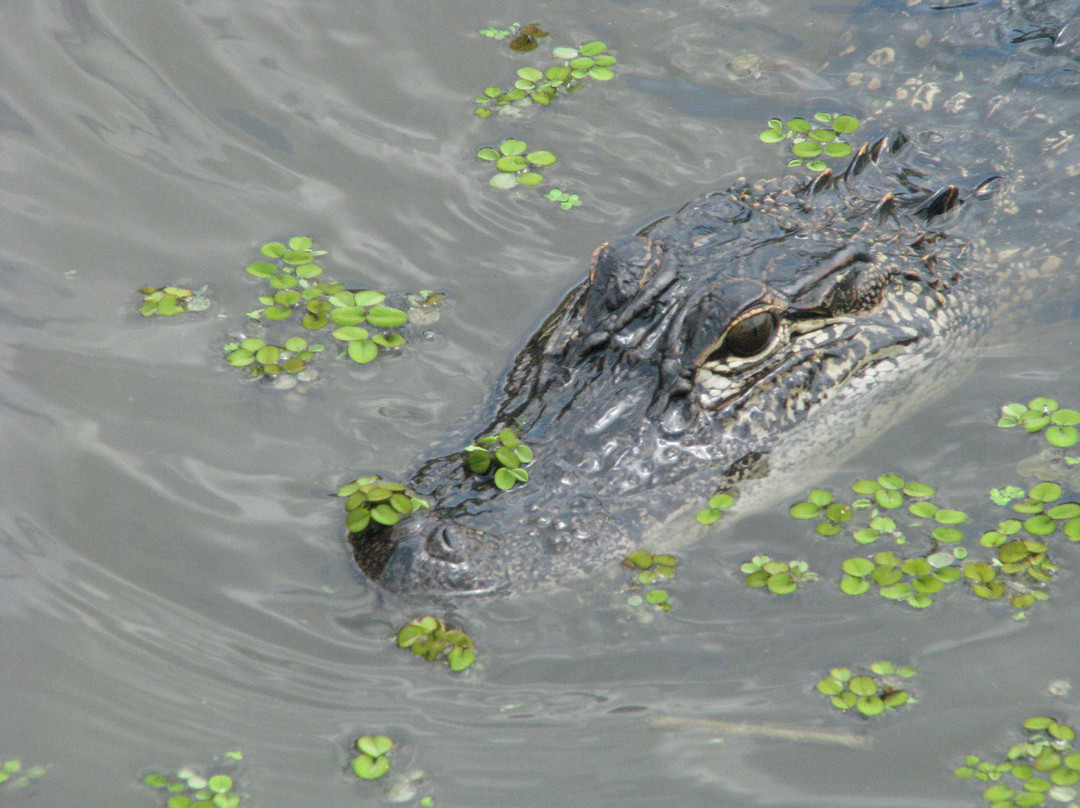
<point>174,582</point>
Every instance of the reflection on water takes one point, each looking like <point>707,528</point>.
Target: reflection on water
<point>173,578</point>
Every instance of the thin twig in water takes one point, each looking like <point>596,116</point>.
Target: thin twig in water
<point>762,731</point>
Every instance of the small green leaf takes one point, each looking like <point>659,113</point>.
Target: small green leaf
<point>541,158</point>
<point>374,745</point>
<point>1046,492</point>
<point>362,351</point>
<point>804,510</point>
<point>511,147</point>
<point>370,768</point>
<point>479,461</point>
<point>262,269</point>
<point>384,514</point>
<point>367,297</point>
<point>386,317</point>
<point>347,315</point>
<point>219,783</point>
<point>511,164</point>
<point>806,149</point>
<point>460,658</point>
<point>504,480</point>
<point>845,124</point>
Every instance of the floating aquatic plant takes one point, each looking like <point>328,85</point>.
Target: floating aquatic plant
<point>813,140</point>
<point>879,503</point>
<point>190,788</point>
<point>505,453</point>
<point>563,199</point>
<point>432,639</point>
<point>1044,413</point>
<point>1018,571</point>
<point>516,165</point>
<point>1042,769</point>
<point>372,762</point>
<point>913,580</point>
<point>371,499</point>
<point>779,577</point>
<point>358,318</point>
<point>168,301</point>
<point>265,359</point>
<point>871,692</point>
<point>13,776</point>
<point>718,503</point>
<point>542,86</point>
<point>652,568</point>
<point>524,36</point>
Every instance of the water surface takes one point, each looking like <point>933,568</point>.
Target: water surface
<point>174,579</point>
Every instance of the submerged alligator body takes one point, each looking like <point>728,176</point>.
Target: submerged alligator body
<point>741,337</point>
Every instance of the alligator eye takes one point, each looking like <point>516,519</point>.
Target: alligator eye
<point>748,337</point>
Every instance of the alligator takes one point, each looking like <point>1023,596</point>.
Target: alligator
<point>753,332</point>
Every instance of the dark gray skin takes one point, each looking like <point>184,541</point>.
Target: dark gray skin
<point>752,332</point>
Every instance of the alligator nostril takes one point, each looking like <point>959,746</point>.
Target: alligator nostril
<point>446,542</point>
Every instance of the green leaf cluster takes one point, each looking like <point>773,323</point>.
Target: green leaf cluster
<point>516,165</point>
<point>542,86</point>
<point>1019,571</point>
<point>499,33</point>
<point>718,503</point>
<point>372,762</point>
<point>169,301</point>
<point>779,577</point>
<point>265,359</point>
<point>812,141</point>
<point>1006,494</point>
<point>292,276</point>
<point>13,776</point>
<point>525,36</point>
<point>1043,413</point>
<point>878,503</point>
<point>1044,513</point>
<point>563,199</point>
<point>371,499</point>
<point>506,453</point>
<point>1042,769</point>
<point>870,693</point>
<point>431,639</point>
<point>190,789</point>
<point>1022,567</point>
<point>913,580</point>
<point>650,569</point>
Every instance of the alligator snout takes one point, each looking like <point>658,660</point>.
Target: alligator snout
<point>434,550</point>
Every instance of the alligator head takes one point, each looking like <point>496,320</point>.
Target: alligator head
<point>708,350</point>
